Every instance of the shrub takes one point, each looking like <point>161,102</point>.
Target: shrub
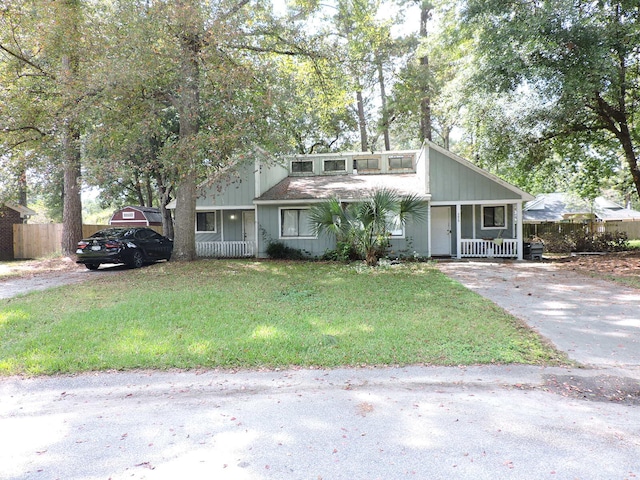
<point>284,252</point>
<point>584,241</point>
<point>344,252</point>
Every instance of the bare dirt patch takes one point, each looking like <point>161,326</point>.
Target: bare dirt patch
<point>42,266</point>
<point>623,266</point>
<point>19,277</point>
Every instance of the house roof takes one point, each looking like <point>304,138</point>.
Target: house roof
<point>21,209</point>
<point>344,187</point>
<point>152,214</point>
<point>556,207</point>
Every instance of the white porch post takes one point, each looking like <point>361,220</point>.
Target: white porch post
<point>458,231</point>
<point>519,238</point>
<point>221,224</point>
<point>256,239</point>
<point>429,229</point>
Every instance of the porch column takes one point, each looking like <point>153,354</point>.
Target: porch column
<point>519,238</point>
<point>221,212</point>
<point>458,231</point>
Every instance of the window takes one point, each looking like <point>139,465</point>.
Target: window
<point>394,226</point>
<point>205,221</point>
<point>396,163</point>
<point>294,222</point>
<point>494,217</point>
<point>128,215</point>
<point>144,234</point>
<point>302,167</point>
<point>334,166</point>
<point>366,164</point>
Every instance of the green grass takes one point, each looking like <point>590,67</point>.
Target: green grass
<point>248,314</point>
<point>634,244</point>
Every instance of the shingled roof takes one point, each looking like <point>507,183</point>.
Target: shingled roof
<point>557,207</point>
<point>344,187</point>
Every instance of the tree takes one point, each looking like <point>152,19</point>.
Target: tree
<point>45,51</point>
<point>580,61</point>
<point>196,73</point>
<point>366,225</point>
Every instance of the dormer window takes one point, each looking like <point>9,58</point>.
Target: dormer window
<point>305,166</point>
<point>366,164</point>
<point>401,162</point>
<point>335,165</point>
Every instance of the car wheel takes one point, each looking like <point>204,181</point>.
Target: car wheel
<point>92,266</point>
<point>137,260</point>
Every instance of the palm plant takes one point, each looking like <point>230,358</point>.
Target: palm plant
<point>366,225</point>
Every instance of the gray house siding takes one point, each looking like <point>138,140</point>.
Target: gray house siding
<point>455,182</point>
<point>234,189</point>
<point>467,217</point>
<point>269,231</point>
<point>415,240</point>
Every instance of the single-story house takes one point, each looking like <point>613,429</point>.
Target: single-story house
<point>470,212</point>
<point>136,217</point>
<point>569,208</point>
<point>10,215</point>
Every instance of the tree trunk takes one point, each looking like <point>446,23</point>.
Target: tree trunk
<point>425,101</point>
<point>383,102</point>
<point>137,188</point>
<point>72,203</point>
<point>164,196</point>
<point>362,121</point>
<point>149,190</point>
<point>188,104</point>
<point>629,154</point>
<point>184,247</point>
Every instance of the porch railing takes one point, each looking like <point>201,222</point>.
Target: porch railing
<point>226,249</point>
<point>504,247</point>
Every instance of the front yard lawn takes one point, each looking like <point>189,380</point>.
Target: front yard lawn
<point>250,314</point>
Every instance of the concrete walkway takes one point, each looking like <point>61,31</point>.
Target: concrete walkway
<point>476,422</point>
<point>597,323</point>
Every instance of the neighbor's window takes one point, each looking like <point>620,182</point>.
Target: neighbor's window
<point>400,162</point>
<point>128,215</point>
<point>294,222</point>
<point>494,217</point>
<point>334,166</point>
<point>205,221</point>
<point>302,167</point>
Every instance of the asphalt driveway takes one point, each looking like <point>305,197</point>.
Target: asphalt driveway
<point>477,422</point>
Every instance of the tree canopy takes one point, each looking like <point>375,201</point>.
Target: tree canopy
<point>564,77</point>
<point>148,100</point>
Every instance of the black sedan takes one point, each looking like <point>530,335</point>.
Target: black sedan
<point>133,246</point>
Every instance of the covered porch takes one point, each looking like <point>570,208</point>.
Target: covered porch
<point>486,229</point>
<point>226,233</point>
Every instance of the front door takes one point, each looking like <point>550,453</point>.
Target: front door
<point>249,226</point>
<point>440,231</point>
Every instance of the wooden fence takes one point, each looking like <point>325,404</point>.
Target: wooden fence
<point>41,240</point>
<point>541,229</point>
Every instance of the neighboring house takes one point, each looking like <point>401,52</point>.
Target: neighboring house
<point>569,208</point>
<point>10,215</point>
<point>471,213</point>
<point>136,217</point>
